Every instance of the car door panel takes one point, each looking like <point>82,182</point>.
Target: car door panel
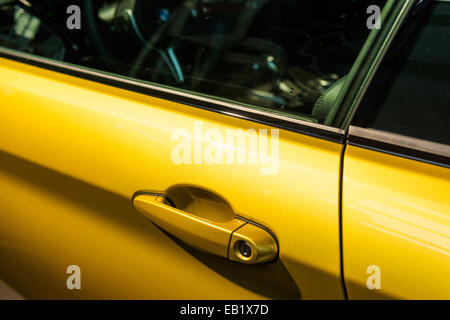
<point>73,153</point>
<point>395,217</point>
<point>396,177</point>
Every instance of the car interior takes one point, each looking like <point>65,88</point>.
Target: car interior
<point>283,56</point>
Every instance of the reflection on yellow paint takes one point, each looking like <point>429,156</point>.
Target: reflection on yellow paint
<point>396,215</point>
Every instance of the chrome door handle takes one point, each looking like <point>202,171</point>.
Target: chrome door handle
<point>236,239</point>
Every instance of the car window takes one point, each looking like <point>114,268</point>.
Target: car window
<point>280,56</point>
<point>410,95</point>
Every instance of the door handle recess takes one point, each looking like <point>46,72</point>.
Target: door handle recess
<point>236,239</point>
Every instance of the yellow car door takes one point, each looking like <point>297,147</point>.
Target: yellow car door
<point>396,187</point>
<point>188,154</point>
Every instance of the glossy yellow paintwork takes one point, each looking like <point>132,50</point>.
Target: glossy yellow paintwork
<point>73,152</point>
<point>396,215</point>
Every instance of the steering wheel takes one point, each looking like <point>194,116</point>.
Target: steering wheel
<point>137,26</point>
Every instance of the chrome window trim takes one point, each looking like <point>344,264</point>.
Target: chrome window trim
<point>399,145</point>
<point>192,99</point>
<point>373,68</point>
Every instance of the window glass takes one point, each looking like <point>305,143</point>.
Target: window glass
<point>279,55</point>
<point>411,92</point>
